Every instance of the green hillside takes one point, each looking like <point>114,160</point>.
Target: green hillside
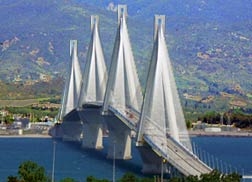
<point>209,45</point>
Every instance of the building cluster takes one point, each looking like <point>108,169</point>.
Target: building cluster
<point>22,125</point>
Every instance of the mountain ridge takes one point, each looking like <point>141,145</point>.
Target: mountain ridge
<point>209,42</point>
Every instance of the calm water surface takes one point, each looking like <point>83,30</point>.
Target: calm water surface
<point>72,161</point>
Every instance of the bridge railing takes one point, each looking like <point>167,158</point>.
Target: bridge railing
<point>154,131</point>
<point>123,115</point>
<point>156,147</point>
<point>133,109</point>
<point>163,154</point>
<point>190,153</point>
<point>214,162</point>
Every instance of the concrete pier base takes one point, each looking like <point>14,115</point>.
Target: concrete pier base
<point>93,136</point>
<point>72,127</point>
<point>93,127</point>
<point>119,138</point>
<point>152,163</point>
<point>56,131</point>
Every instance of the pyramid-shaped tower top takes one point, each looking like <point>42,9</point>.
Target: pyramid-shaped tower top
<point>73,47</point>
<point>95,73</point>
<point>159,21</point>
<point>122,11</point>
<point>94,21</point>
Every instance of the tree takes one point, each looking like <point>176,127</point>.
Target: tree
<point>146,180</point>
<point>29,171</point>
<point>233,177</point>
<point>188,124</point>
<point>8,119</point>
<point>192,178</point>
<point>129,177</point>
<point>93,179</point>
<point>90,179</point>
<point>12,179</point>
<point>213,176</point>
<point>176,179</point>
<point>68,180</point>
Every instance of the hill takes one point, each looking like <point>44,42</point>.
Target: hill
<point>209,43</point>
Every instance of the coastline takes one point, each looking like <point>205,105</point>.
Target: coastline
<point>194,133</point>
<point>221,133</point>
<point>26,136</point>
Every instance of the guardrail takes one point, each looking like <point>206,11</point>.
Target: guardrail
<point>129,123</point>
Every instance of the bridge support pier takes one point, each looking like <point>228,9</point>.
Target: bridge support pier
<point>72,127</point>
<point>152,163</point>
<point>93,127</point>
<point>119,138</point>
<point>56,131</point>
<point>92,136</point>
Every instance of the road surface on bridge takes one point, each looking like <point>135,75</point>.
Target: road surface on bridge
<point>166,147</point>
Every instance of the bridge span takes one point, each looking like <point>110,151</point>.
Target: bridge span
<point>154,121</point>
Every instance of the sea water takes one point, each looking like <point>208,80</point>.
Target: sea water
<point>70,159</point>
<point>73,161</point>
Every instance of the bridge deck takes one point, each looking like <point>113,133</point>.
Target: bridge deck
<point>177,155</point>
<point>247,177</point>
<point>185,161</point>
<point>128,116</point>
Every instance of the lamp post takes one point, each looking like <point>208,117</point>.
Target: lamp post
<point>53,162</point>
<point>162,169</point>
<point>114,161</point>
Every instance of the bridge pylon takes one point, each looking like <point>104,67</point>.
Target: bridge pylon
<point>161,101</point>
<point>162,132</point>
<point>71,96</point>
<point>152,162</point>
<point>123,92</point>
<point>93,91</point>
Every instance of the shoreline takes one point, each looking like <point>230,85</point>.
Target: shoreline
<point>196,133</point>
<point>26,136</point>
<point>221,133</point>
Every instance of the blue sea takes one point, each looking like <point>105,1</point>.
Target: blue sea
<point>228,153</point>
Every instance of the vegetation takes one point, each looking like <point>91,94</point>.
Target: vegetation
<point>30,171</point>
<point>23,94</point>
<point>68,180</point>
<point>93,179</point>
<point>214,176</point>
<point>237,117</point>
<point>8,119</point>
<point>211,59</point>
<point>36,113</point>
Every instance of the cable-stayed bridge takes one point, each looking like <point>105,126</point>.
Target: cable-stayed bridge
<point>114,102</point>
